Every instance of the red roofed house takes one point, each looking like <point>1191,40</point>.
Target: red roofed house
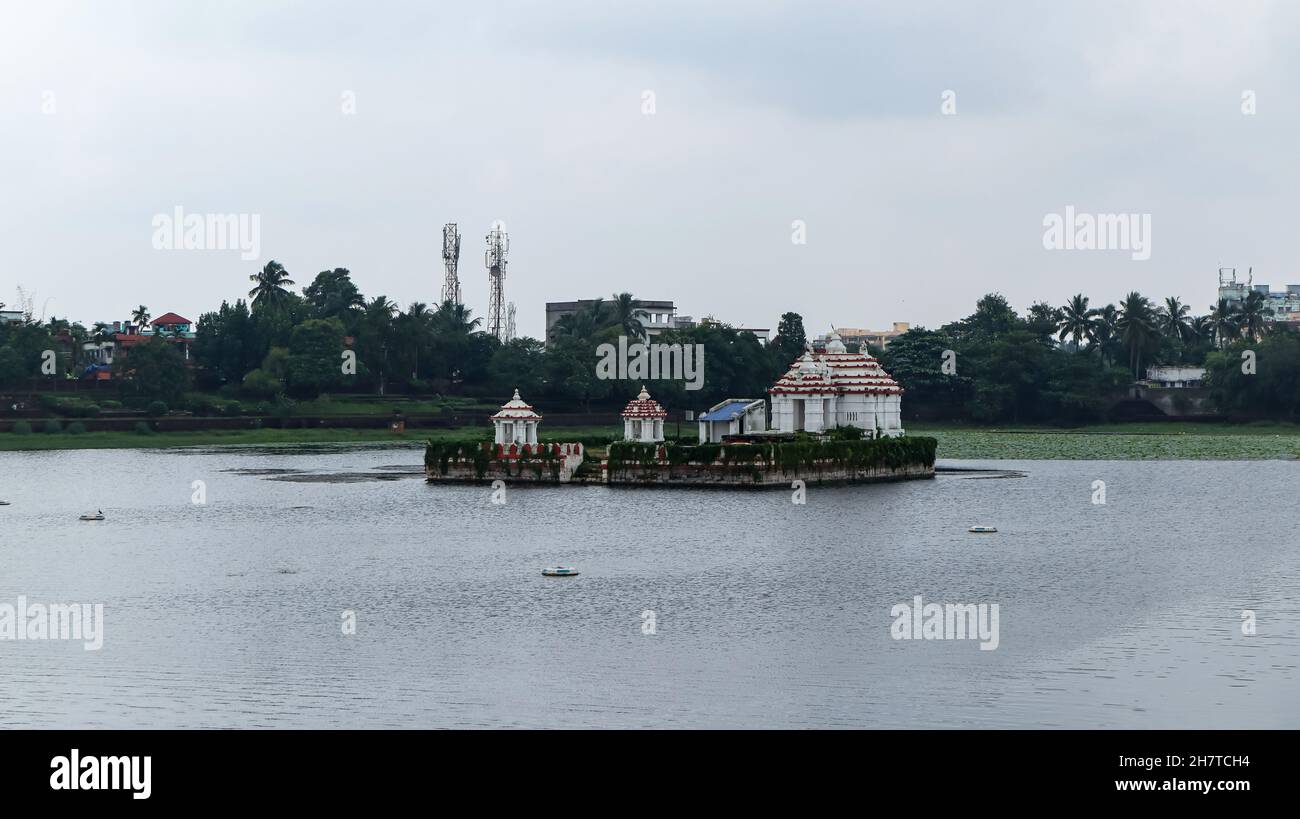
<point>643,419</point>
<point>837,389</point>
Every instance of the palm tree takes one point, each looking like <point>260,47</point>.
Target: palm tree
<point>1224,322</point>
<point>453,318</point>
<point>270,285</point>
<point>1078,321</point>
<point>1136,326</point>
<point>377,330</point>
<point>413,328</point>
<point>1251,315</point>
<point>583,324</point>
<point>628,316</point>
<point>1105,331</point>
<point>1202,329</point>
<point>1172,320</point>
<point>140,317</point>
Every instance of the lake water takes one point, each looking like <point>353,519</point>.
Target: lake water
<point>1123,615</point>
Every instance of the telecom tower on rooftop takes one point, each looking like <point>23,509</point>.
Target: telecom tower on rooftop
<point>450,260</point>
<point>498,246</point>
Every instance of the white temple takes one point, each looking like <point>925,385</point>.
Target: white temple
<point>837,389</point>
<point>643,419</point>
<point>516,422</point>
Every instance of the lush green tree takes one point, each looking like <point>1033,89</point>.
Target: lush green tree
<point>791,340</point>
<point>224,345</point>
<point>1042,320</point>
<point>915,360</point>
<point>13,373</point>
<point>316,358</point>
<point>154,370</point>
<point>518,364</point>
<point>1273,388</point>
<point>332,294</point>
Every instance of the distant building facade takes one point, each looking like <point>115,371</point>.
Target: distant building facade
<point>1176,377</point>
<point>1284,304</point>
<point>659,315</point>
<point>862,336</point>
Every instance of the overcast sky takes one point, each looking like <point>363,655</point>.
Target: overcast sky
<point>764,113</point>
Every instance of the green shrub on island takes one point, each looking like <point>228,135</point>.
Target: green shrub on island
<point>76,428</point>
<point>232,409</point>
<point>787,456</point>
<point>53,427</point>
<point>22,428</point>
<point>156,409</point>
<point>143,428</point>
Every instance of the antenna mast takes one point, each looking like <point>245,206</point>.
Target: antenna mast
<point>450,260</point>
<point>498,245</point>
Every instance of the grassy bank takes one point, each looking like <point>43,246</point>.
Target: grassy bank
<point>159,440</point>
<point>1152,441</point>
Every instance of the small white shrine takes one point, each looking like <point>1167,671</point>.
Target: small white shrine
<point>837,389</point>
<point>643,419</point>
<point>516,422</point>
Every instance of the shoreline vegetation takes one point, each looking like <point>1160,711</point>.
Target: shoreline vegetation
<point>1171,440</point>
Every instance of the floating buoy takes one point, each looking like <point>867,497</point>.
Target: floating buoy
<point>560,571</point>
<point>983,530</point>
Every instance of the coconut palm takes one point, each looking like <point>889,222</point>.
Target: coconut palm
<point>1078,320</point>
<point>140,317</point>
<point>1172,320</point>
<point>414,329</point>
<point>1105,332</point>
<point>270,285</point>
<point>1224,322</point>
<point>627,315</point>
<point>1137,329</point>
<point>1252,315</point>
<point>583,324</point>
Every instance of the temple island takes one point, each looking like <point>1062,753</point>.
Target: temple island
<point>834,417</point>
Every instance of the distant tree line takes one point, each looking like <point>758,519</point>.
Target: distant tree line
<point>1063,364</point>
<point>1051,365</point>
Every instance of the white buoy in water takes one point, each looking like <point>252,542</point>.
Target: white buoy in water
<point>560,571</point>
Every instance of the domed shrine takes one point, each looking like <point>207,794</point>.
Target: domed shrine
<point>837,389</point>
<point>643,419</point>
